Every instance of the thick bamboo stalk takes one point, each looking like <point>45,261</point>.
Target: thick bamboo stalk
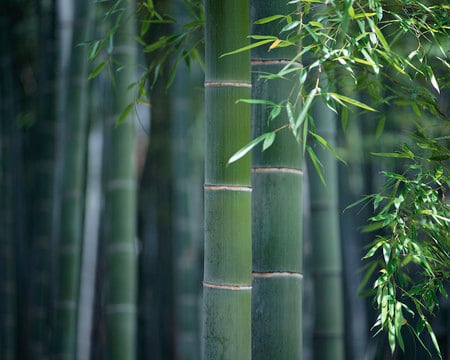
<point>328,335</point>
<point>186,248</point>
<point>8,289</point>
<point>92,214</point>
<point>227,191</point>
<point>74,147</point>
<point>121,255</point>
<point>185,222</point>
<point>43,177</point>
<point>354,183</point>
<point>276,209</point>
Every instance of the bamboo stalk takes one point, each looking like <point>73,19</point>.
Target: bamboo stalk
<point>8,286</point>
<point>43,178</point>
<point>276,209</point>
<point>74,147</point>
<point>328,335</point>
<point>227,191</point>
<point>120,197</point>
<point>186,250</point>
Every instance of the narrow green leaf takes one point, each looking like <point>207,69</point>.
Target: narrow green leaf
<point>351,12</point>
<point>434,83</point>
<point>392,155</point>
<point>380,127</point>
<point>305,135</point>
<point>263,37</point>
<point>290,26</point>
<point>316,24</point>
<point>317,164</point>
<point>124,114</point>
<point>269,19</point>
<point>381,37</point>
<point>362,200</point>
<point>367,276</point>
<point>290,114</point>
<point>373,249</point>
<point>302,116</point>
<point>248,47</point>
<point>276,110</point>
<point>268,141</point>
<point>351,101</point>
<point>257,101</point>
<point>245,149</point>
<point>327,146</point>
<point>433,339</point>
<point>97,70</point>
<point>93,51</point>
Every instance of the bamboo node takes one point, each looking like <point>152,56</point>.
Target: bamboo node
<point>275,62</point>
<point>277,274</point>
<point>275,169</point>
<point>227,83</point>
<point>226,287</point>
<point>227,187</point>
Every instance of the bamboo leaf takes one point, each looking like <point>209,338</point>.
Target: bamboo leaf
<point>124,114</point>
<point>274,44</point>
<point>392,155</point>
<point>94,50</point>
<point>276,110</point>
<point>435,83</point>
<point>97,70</point>
<point>269,19</point>
<point>244,150</point>
<point>290,114</point>
<point>248,47</point>
<point>381,37</point>
<point>302,116</point>
<point>317,164</point>
<point>380,127</point>
<point>268,141</point>
<point>433,338</point>
<point>257,101</point>
<point>263,37</point>
<point>327,145</point>
<point>290,26</point>
<point>351,101</point>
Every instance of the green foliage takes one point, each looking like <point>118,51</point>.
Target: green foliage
<point>382,46</point>
<point>390,51</point>
<point>410,258</point>
<point>184,42</point>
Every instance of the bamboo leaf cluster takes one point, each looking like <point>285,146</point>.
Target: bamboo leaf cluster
<point>363,41</point>
<point>409,259</point>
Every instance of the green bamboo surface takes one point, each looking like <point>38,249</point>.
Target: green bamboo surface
<point>227,264</point>
<point>8,291</point>
<point>328,334</point>
<point>43,177</point>
<point>276,209</point>
<point>354,181</point>
<point>185,219</point>
<point>156,260</point>
<point>120,197</point>
<point>186,248</point>
<point>72,188</point>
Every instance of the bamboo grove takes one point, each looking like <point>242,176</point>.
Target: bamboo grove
<point>245,179</point>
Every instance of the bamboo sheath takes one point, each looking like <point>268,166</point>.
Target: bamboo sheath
<point>276,208</point>
<point>227,267</point>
